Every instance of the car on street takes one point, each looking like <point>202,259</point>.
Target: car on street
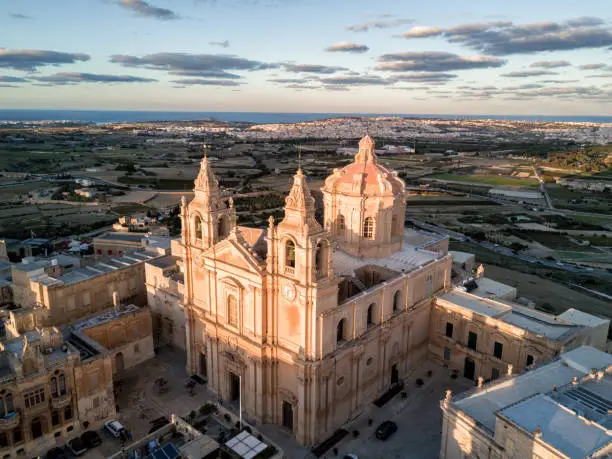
<point>385,430</point>
<point>115,428</point>
<point>91,439</point>
<point>56,453</point>
<point>77,446</point>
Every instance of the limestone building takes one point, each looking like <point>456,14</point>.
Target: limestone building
<point>58,295</point>
<point>487,338</point>
<point>558,410</point>
<point>309,321</point>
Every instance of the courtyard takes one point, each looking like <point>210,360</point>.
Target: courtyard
<point>418,415</point>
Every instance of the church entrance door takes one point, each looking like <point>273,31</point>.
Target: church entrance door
<point>469,368</point>
<point>234,387</point>
<point>287,415</point>
<point>394,375</point>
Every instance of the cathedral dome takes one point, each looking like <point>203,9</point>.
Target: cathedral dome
<point>365,176</point>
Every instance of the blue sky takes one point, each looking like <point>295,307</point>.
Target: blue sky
<point>362,56</point>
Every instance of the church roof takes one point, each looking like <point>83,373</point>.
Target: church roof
<point>364,175</point>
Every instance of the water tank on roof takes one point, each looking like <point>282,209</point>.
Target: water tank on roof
<point>54,262</point>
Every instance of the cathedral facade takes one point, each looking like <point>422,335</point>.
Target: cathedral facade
<point>307,322</point>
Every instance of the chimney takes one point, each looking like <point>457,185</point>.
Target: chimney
<point>575,381</point>
<point>510,368</point>
<point>538,432</point>
<point>116,301</point>
<point>480,382</point>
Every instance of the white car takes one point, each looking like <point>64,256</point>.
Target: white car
<point>114,427</point>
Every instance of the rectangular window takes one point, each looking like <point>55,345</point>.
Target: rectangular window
<point>472,338</point>
<point>447,353</point>
<point>34,397</point>
<point>529,360</point>
<point>17,436</point>
<point>498,348</point>
<point>86,299</point>
<point>449,329</point>
<point>494,373</point>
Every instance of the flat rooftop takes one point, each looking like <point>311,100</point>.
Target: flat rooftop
<point>552,327</point>
<point>461,257</point>
<point>105,317</point>
<point>483,404</point>
<point>406,260</point>
<point>92,271</point>
<point>489,287</point>
<point>573,435</point>
<point>121,237</point>
<point>165,262</point>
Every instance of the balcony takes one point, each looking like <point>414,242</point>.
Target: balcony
<point>60,401</point>
<point>9,421</point>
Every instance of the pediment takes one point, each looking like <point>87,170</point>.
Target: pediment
<point>233,252</point>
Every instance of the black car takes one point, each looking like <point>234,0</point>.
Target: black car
<point>91,439</point>
<point>385,430</point>
<point>56,453</point>
<point>77,446</point>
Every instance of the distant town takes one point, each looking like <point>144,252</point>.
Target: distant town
<point>338,288</point>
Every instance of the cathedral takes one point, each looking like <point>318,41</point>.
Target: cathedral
<point>307,322</point>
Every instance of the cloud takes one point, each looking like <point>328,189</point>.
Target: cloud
<point>312,68</point>
<point>364,27</point>
<point>76,77</point>
<point>434,61</point>
<point>222,44</point>
<point>528,73</point>
<point>599,66</point>
<point>19,16</point>
<point>30,59</point>
<point>364,80</point>
<point>204,82</point>
<point>425,77</point>
<point>347,47</point>
<point>206,74</point>
<point>550,64</point>
<point>601,75</point>
<point>337,88</point>
<point>11,79</point>
<point>302,86</point>
<point>422,32</point>
<point>185,64</point>
<point>288,80</point>
<point>144,9</point>
<point>2,85</point>
<point>501,38</point>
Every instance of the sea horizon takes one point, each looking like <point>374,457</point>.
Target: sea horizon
<point>119,116</point>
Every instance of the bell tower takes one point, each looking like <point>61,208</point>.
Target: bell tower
<point>208,218</point>
<point>300,268</point>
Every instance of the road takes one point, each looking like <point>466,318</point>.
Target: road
<point>506,251</point>
<point>536,171</point>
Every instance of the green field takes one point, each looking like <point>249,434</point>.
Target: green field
<point>592,219</point>
<point>492,180</point>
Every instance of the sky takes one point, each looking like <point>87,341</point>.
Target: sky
<point>536,57</point>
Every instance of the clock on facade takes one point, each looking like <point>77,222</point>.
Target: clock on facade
<point>289,292</point>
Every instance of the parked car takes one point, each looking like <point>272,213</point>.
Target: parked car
<point>115,428</point>
<point>56,453</point>
<point>350,456</point>
<point>385,430</point>
<point>91,439</point>
<point>77,446</point>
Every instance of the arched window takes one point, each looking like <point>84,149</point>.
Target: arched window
<point>232,311</point>
<point>6,403</point>
<point>397,298</point>
<point>319,259</point>
<point>341,223</point>
<point>58,385</point>
<point>340,331</point>
<point>368,228</point>
<point>198,228</point>
<point>370,316</point>
<point>223,226</point>
<point>290,254</point>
